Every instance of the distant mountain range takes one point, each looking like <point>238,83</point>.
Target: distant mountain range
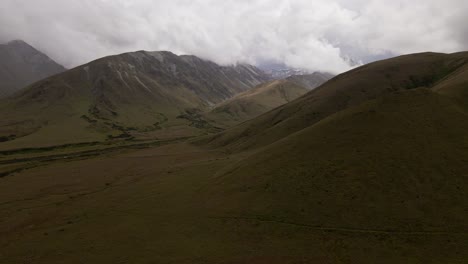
<point>279,71</point>
<point>284,73</point>
<point>21,65</point>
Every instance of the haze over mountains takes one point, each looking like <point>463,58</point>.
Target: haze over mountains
<point>21,65</point>
<point>312,80</point>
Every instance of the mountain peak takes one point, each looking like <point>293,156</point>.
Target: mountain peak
<point>17,42</point>
<point>20,46</point>
<point>21,64</point>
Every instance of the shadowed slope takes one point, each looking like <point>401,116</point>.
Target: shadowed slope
<point>398,163</point>
<point>383,148</point>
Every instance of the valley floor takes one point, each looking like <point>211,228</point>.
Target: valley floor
<point>148,206</point>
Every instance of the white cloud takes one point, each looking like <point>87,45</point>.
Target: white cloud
<point>301,33</point>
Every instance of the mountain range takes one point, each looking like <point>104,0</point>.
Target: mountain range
<point>140,92</point>
<point>155,157</point>
<point>139,95</point>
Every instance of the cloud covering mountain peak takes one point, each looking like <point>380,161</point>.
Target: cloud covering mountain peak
<point>315,35</point>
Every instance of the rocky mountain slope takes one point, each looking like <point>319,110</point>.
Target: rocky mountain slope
<point>118,95</point>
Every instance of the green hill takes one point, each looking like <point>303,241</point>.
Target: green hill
<point>397,163</point>
<point>382,148</point>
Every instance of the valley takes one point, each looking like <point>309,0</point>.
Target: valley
<point>153,205</point>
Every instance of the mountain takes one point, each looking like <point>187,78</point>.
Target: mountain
<point>120,95</point>
<point>311,81</point>
<point>21,65</point>
<point>255,102</point>
<point>371,167</point>
<point>380,149</point>
<point>430,70</point>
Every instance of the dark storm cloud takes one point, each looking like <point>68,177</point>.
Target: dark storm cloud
<point>316,35</point>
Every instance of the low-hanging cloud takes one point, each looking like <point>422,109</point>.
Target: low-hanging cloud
<point>315,35</point>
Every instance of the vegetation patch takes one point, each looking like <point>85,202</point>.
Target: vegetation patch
<point>7,138</point>
<point>45,149</point>
<point>430,80</point>
<point>6,173</point>
<point>123,135</point>
<point>195,119</point>
<point>88,119</point>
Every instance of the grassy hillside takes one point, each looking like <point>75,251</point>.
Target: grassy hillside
<point>121,96</point>
<point>441,72</point>
<point>255,102</point>
<point>380,149</point>
<point>397,163</point>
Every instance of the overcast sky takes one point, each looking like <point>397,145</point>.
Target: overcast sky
<point>311,34</point>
